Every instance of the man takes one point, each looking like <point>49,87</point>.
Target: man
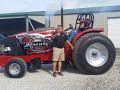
<point>72,33</point>
<point>59,39</point>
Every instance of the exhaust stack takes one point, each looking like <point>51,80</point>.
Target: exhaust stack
<point>47,22</point>
<point>62,16</point>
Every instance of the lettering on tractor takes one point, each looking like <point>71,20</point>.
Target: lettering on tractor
<point>34,43</point>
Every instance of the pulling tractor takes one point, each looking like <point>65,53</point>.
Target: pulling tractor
<point>93,53</point>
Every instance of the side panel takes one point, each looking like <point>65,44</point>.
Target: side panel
<point>68,52</point>
<point>41,56</point>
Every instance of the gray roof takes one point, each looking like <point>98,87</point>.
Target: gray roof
<point>37,13</point>
<point>93,10</point>
<point>67,11</point>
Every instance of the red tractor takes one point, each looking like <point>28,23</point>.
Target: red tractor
<point>93,52</point>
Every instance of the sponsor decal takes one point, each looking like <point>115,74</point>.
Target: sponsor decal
<point>34,43</point>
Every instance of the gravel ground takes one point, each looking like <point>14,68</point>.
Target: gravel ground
<point>72,80</point>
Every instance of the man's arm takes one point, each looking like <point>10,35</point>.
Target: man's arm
<point>70,44</point>
<point>67,41</point>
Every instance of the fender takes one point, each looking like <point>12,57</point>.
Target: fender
<point>79,34</point>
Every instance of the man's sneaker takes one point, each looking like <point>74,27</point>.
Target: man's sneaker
<point>60,73</point>
<point>54,74</point>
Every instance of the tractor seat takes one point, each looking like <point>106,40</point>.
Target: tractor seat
<point>87,23</point>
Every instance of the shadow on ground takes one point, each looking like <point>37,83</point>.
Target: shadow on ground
<point>2,70</point>
<point>69,69</point>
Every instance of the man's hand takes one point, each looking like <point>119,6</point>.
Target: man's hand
<point>72,47</point>
<point>53,36</point>
<point>57,34</point>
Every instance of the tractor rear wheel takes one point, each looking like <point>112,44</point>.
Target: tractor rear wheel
<point>94,53</point>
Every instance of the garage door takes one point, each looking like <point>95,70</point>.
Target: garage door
<point>114,31</point>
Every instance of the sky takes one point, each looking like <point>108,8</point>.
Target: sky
<point>12,6</point>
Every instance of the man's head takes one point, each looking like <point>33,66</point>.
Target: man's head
<point>59,28</point>
<point>82,25</point>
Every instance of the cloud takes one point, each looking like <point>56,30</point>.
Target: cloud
<point>10,6</point>
<point>89,3</point>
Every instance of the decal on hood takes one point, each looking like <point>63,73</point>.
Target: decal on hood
<point>34,43</point>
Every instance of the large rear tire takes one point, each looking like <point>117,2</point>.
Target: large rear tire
<point>94,53</point>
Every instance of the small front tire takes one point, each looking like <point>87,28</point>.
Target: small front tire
<point>16,68</point>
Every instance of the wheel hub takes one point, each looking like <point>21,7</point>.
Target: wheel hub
<point>94,54</point>
<point>97,55</point>
<point>14,69</point>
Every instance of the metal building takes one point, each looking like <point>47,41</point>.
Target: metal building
<point>12,23</point>
<point>105,17</point>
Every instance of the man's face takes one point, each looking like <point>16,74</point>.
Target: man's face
<point>82,25</point>
<point>59,29</point>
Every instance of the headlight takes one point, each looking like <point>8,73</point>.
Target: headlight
<point>7,49</point>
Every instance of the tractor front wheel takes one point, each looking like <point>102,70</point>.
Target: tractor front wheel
<point>16,68</point>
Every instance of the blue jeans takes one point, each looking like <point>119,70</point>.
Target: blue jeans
<point>71,35</point>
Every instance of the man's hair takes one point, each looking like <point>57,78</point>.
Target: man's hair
<point>59,26</point>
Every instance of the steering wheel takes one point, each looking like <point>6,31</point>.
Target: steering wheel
<point>70,27</point>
